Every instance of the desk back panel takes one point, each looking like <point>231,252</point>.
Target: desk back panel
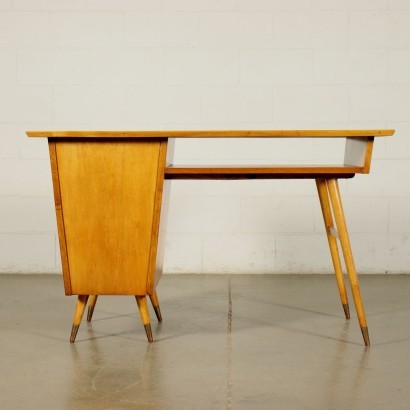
<point>109,201</point>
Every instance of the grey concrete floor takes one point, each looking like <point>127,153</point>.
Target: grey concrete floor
<point>226,342</point>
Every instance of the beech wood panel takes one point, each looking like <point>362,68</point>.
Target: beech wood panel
<point>59,217</point>
<point>213,133</point>
<point>108,193</point>
<point>157,249</point>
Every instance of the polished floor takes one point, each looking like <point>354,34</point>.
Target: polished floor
<point>226,342</point>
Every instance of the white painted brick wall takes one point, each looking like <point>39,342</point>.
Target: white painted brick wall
<point>350,66</point>
<point>27,252</point>
<point>270,67</point>
<point>25,29</point>
<point>161,29</point>
<point>246,253</point>
<point>25,104</point>
<point>244,30</point>
<point>200,66</point>
<point>310,29</point>
<point>157,105</point>
<point>274,215</point>
<point>191,215</point>
<point>311,103</point>
<point>186,64</point>
<point>229,104</point>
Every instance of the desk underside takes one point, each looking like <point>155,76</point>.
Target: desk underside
<point>260,171</point>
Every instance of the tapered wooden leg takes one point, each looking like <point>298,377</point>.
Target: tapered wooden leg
<point>143,308</point>
<point>334,251</point>
<point>91,306</point>
<point>336,201</point>
<point>78,315</point>
<point>155,305</point>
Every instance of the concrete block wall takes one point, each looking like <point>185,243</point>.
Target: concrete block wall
<point>184,64</point>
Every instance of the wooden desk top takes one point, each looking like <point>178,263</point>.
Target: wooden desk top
<point>214,134</point>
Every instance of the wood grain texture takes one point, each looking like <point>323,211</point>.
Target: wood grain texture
<point>60,218</point>
<point>160,216</point>
<point>78,315</point>
<point>155,305</point>
<point>368,155</point>
<point>213,133</point>
<point>79,309</point>
<point>258,171</point>
<point>108,193</point>
<point>336,202</point>
<point>91,306</point>
<point>334,251</point>
<point>143,308</point>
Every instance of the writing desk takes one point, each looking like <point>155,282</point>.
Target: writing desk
<point>111,192</point>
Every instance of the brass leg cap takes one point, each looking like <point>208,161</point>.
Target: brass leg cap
<point>158,313</point>
<point>347,310</point>
<point>74,331</point>
<point>90,313</point>
<point>365,334</point>
<point>148,332</point>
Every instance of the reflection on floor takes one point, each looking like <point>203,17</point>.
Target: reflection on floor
<point>226,342</point>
